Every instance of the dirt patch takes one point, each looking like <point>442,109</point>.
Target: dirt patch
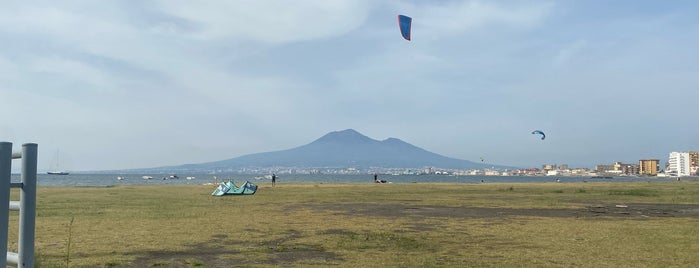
<point>606,210</point>
<point>645,210</point>
<point>206,254</point>
<point>282,252</point>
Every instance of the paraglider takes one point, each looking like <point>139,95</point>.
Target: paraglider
<point>543,136</point>
<point>404,23</point>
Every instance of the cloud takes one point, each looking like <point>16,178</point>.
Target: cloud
<point>72,70</point>
<point>456,17</point>
<point>267,21</point>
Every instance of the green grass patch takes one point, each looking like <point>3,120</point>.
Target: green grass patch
<point>634,192</point>
<point>364,225</point>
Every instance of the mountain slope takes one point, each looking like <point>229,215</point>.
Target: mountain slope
<point>347,148</point>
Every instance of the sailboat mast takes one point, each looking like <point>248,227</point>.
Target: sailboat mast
<point>57,170</point>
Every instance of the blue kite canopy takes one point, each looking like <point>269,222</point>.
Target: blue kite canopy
<point>543,136</point>
<point>405,22</point>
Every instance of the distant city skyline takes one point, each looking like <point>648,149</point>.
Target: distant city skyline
<point>121,85</point>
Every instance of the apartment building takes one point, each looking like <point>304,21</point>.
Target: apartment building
<point>678,164</point>
<point>548,167</point>
<point>694,163</point>
<point>649,167</point>
<point>604,168</point>
<point>626,169</point>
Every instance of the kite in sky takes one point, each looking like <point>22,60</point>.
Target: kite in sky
<point>405,22</point>
<point>543,136</point>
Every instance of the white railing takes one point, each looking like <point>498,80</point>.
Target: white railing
<point>26,204</point>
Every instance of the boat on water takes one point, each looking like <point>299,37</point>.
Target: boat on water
<point>171,177</point>
<point>55,170</point>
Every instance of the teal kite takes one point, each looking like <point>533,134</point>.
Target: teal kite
<point>229,188</point>
<point>543,136</point>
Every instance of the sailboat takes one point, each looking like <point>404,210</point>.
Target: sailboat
<point>56,171</point>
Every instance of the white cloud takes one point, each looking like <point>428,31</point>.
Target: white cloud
<point>70,69</point>
<point>269,21</point>
<point>454,17</point>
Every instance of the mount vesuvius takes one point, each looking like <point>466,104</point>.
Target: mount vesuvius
<point>343,149</point>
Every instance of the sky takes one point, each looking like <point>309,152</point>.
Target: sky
<point>137,84</point>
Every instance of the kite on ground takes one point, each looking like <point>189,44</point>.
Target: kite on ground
<point>404,22</point>
<point>543,136</point>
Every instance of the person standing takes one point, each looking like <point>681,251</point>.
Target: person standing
<point>274,179</point>
<point>376,178</point>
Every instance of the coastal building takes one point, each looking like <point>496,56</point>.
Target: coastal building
<point>694,163</point>
<point>527,172</point>
<point>580,172</point>
<point>626,169</point>
<point>648,167</point>
<point>679,164</point>
<point>604,168</point>
<point>548,167</point>
<point>552,173</point>
<point>492,173</point>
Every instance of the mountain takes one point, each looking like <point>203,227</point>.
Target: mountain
<point>343,149</point>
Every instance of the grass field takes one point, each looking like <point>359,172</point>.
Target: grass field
<point>645,224</point>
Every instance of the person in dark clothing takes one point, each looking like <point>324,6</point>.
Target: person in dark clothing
<point>274,179</point>
<point>376,179</point>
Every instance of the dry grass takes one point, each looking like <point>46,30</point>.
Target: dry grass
<point>367,225</point>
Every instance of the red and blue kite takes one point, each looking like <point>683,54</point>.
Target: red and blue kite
<point>404,22</point>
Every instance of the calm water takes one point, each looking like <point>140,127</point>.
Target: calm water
<point>136,179</point>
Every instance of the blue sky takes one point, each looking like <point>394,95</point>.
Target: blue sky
<point>128,84</point>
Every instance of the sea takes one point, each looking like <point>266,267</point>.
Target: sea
<point>192,179</point>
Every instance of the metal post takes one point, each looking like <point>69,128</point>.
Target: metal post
<point>27,210</point>
<point>5,179</point>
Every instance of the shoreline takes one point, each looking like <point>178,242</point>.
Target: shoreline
<point>268,185</point>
